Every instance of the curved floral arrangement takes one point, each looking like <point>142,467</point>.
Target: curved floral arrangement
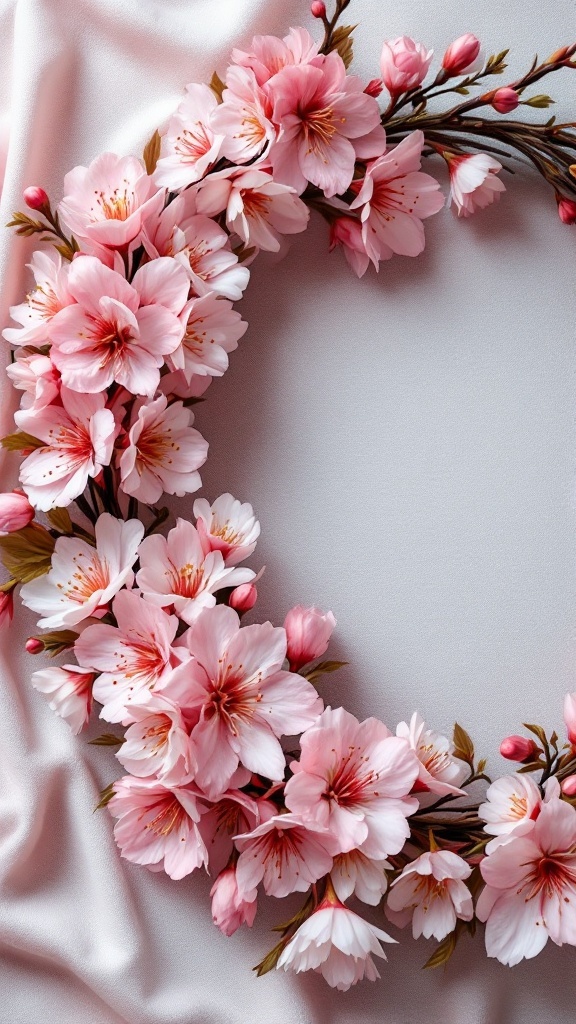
<point>130,319</point>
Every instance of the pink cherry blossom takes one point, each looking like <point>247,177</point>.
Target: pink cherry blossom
<point>176,571</point>
<point>570,717</point>
<point>189,146</point>
<point>36,376</point>
<point>243,699</point>
<point>431,893</point>
<point>174,385</point>
<point>519,748</point>
<point>337,943</point>
<point>158,742</point>
<point>284,854</point>
<point>15,512</point>
<point>230,908</point>
<point>354,873</point>
<point>84,579</point>
<point>439,771</point>
<point>404,64</point>
<point>461,54</point>
<point>233,813</point>
<point>258,209</point>
<point>157,826</point>
<point>134,658</point>
<point>324,115</point>
<point>49,296</point>
<point>228,526</point>
<point>394,198</point>
<point>530,893</point>
<point>269,54</point>
<point>116,331</point>
<point>244,117</point>
<point>78,441</point>
<point>474,181</point>
<point>6,607</point>
<point>212,329</point>
<point>512,806</point>
<point>164,453</point>
<point>70,692</point>
<point>353,778</point>
<point>347,232</point>
<point>109,201</point>
<point>200,246</point>
<point>308,631</point>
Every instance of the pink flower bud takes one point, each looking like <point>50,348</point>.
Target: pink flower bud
<point>404,64</point>
<point>243,598</point>
<point>566,210</point>
<point>570,717</point>
<point>518,748</point>
<point>36,198</point>
<point>308,631</point>
<point>34,645</point>
<point>505,100</point>
<point>461,54</point>
<point>374,87</point>
<point>318,9</point>
<point>15,512</point>
<point>569,786</point>
<point>6,607</point>
<point>229,909</point>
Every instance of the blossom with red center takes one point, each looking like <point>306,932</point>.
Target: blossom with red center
<point>430,892</point>
<point>189,146</point>
<point>78,440</point>
<point>45,300</point>
<point>269,54</point>
<point>116,331</point>
<point>212,329</point>
<point>243,699</point>
<point>158,743</point>
<point>232,813</point>
<point>175,570</point>
<point>108,202</point>
<point>83,579</point>
<point>530,893</point>
<point>164,452</point>
<point>326,121</point>
<point>244,117</point>
<point>474,181</point>
<point>228,526</point>
<point>512,806</point>
<point>134,658</point>
<point>353,778</point>
<point>258,209</point>
<point>394,198</point>
<point>70,691</point>
<point>439,771</point>
<point>157,826</point>
<point>284,854</point>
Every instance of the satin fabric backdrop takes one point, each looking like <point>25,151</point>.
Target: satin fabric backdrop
<point>408,444</point>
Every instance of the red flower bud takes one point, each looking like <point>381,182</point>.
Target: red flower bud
<point>461,54</point>
<point>505,100</point>
<point>34,645</point>
<point>566,210</point>
<point>36,198</point>
<point>318,9</point>
<point>569,786</point>
<point>6,607</point>
<point>374,88</point>
<point>243,598</point>
<point>518,748</point>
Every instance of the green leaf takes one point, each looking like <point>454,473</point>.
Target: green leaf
<point>495,64</point>
<point>217,86</point>
<point>442,953</point>
<point>25,225</point>
<point>152,152</point>
<point>463,745</point>
<point>107,739</point>
<point>462,90</point>
<point>322,669</point>
<point>20,441</point>
<point>59,518</point>
<point>27,554</point>
<point>342,42</point>
<point>541,101</point>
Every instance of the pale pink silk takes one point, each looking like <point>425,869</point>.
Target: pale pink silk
<point>408,443</point>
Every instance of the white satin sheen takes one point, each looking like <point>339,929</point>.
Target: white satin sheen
<point>408,444</point>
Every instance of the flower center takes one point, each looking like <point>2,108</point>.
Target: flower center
<point>43,302</point>
<point>156,736</point>
<point>88,578</point>
<point>193,142</point>
<point>251,128</point>
<point>551,876</point>
<point>224,531</point>
<point>435,761</point>
<point>318,127</point>
<point>351,780</point>
<point>117,206</point>
<point>187,581</point>
<point>170,815</point>
<point>256,204</point>
<point>233,696</point>
<point>154,448</point>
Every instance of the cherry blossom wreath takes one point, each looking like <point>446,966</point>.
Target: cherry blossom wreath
<point>130,319</point>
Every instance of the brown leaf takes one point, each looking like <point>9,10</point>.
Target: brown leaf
<point>322,669</point>
<point>105,797</point>
<point>59,518</point>
<point>463,745</point>
<point>107,739</point>
<point>57,641</point>
<point>27,554</point>
<point>217,86</point>
<point>442,953</point>
<point>20,441</point>
<point>152,152</point>
<point>342,42</point>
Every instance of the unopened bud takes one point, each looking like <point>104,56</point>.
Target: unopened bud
<point>569,786</point>
<point>518,748</point>
<point>34,645</point>
<point>374,88</point>
<point>36,198</point>
<point>566,210</point>
<point>461,54</point>
<point>564,53</point>
<point>318,9</point>
<point>505,100</point>
<point>243,598</point>
<point>6,607</point>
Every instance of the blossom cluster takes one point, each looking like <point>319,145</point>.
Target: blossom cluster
<point>233,763</point>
